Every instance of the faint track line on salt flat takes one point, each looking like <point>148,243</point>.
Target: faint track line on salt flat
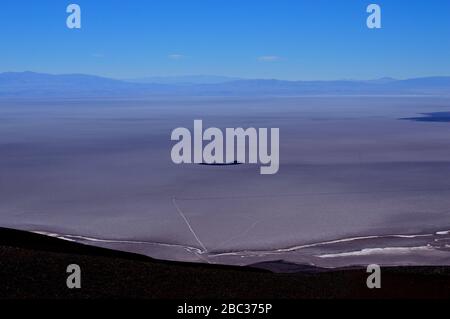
<point>245,232</point>
<point>180,212</point>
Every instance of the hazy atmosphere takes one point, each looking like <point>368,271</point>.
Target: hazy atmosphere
<point>87,112</point>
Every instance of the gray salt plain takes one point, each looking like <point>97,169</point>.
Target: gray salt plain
<point>357,183</point>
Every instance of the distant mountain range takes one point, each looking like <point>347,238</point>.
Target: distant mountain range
<point>185,80</point>
<point>34,85</point>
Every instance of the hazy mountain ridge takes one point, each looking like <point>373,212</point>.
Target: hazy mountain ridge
<point>30,84</point>
<point>185,79</point>
<point>41,84</point>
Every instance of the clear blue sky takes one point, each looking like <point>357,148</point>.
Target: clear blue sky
<point>285,39</point>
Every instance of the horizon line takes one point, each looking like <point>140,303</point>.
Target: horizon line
<point>234,78</point>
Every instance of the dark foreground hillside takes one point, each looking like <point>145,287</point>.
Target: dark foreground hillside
<point>34,267</point>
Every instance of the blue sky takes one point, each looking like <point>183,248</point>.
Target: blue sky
<point>296,40</point>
